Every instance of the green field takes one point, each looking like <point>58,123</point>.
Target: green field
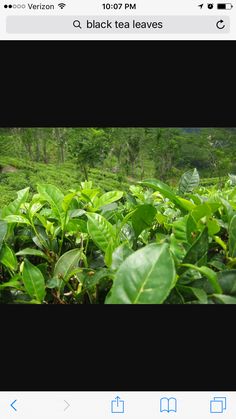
<point>20,174</point>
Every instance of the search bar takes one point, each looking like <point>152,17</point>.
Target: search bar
<point>118,24</point>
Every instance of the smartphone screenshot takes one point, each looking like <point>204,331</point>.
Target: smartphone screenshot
<point>105,214</point>
<point>117,209</point>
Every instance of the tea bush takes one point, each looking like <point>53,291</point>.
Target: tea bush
<point>151,244</point>
<point>61,175</point>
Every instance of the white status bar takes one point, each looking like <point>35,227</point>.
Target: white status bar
<point>113,20</point>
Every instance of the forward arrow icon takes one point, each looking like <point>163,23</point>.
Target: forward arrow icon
<point>67,405</point>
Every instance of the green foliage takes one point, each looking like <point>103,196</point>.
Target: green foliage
<point>197,252</point>
<point>143,218</point>
<point>64,176</point>
<point>145,246</point>
<point>189,181</point>
<point>100,230</point>
<point>89,147</point>
<point>54,197</point>
<point>67,265</point>
<point>8,258</point>
<point>107,199</point>
<point>145,277</point>
<point>232,237</point>
<point>3,232</point>
<point>33,281</point>
<point>130,233</point>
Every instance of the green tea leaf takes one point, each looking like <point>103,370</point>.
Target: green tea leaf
<point>67,201</point>
<point>34,208</point>
<point>232,237</point>
<point>3,232</point>
<point>198,250</point>
<point>145,277</point>
<point>228,209</point>
<point>191,228</point>
<point>120,254</point>
<point>32,252</point>
<point>33,281</point>
<point>167,192</point>
<point>89,281</point>
<point>177,248</point>
<point>157,185</point>
<point>209,273</point>
<point>225,299</point>
<point>125,220</point>
<point>13,283</point>
<point>76,226</point>
<point>8,257</point>
<point>14,207</point>
<point>16,219</point>
<point>200,294</point>
<point>108,253</point>
<point>54,197</point>
<point>180,229</point>
<point>76,213</point>
<point>227,280</point>
<point>66,265</point>
<point>54,283</point>
<point>185,204</point>
<point>189,181</point>
<point>106,199</point>
<point>100,230</point>
<point>143,218</point>
<point>213,227</point>
<point>205,210</point>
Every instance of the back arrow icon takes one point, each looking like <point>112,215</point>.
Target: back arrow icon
<point>67,405</point>
<point>12,405</point>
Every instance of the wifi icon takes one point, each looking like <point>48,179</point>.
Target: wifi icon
<point>61,5</point>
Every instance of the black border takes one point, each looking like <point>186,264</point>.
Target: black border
<point>117,83</point>
<point>139,348</point>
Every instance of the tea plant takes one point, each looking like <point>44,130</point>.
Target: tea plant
<point>148,245</point>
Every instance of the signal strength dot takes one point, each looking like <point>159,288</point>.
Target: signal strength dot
<point>61,5</point>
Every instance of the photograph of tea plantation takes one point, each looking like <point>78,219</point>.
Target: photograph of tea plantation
<point>118,216</point>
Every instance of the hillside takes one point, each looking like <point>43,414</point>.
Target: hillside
<point>16,174</point>
<point>111,157</point>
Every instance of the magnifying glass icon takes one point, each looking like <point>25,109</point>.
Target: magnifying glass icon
<point>77,24</point>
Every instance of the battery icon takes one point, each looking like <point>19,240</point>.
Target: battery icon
<point>224,6</point>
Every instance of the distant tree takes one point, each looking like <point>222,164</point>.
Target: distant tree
<point>222,149</point>
<point>164,145</point>
<point>26,139</point>
<point>194,151</point>
<point>126,146</point>
<point>61,136</point>
<point>89,147</point>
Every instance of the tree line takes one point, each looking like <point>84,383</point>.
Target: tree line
<point>164,152</point>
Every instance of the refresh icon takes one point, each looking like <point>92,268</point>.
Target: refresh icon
<point>220,24</point>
